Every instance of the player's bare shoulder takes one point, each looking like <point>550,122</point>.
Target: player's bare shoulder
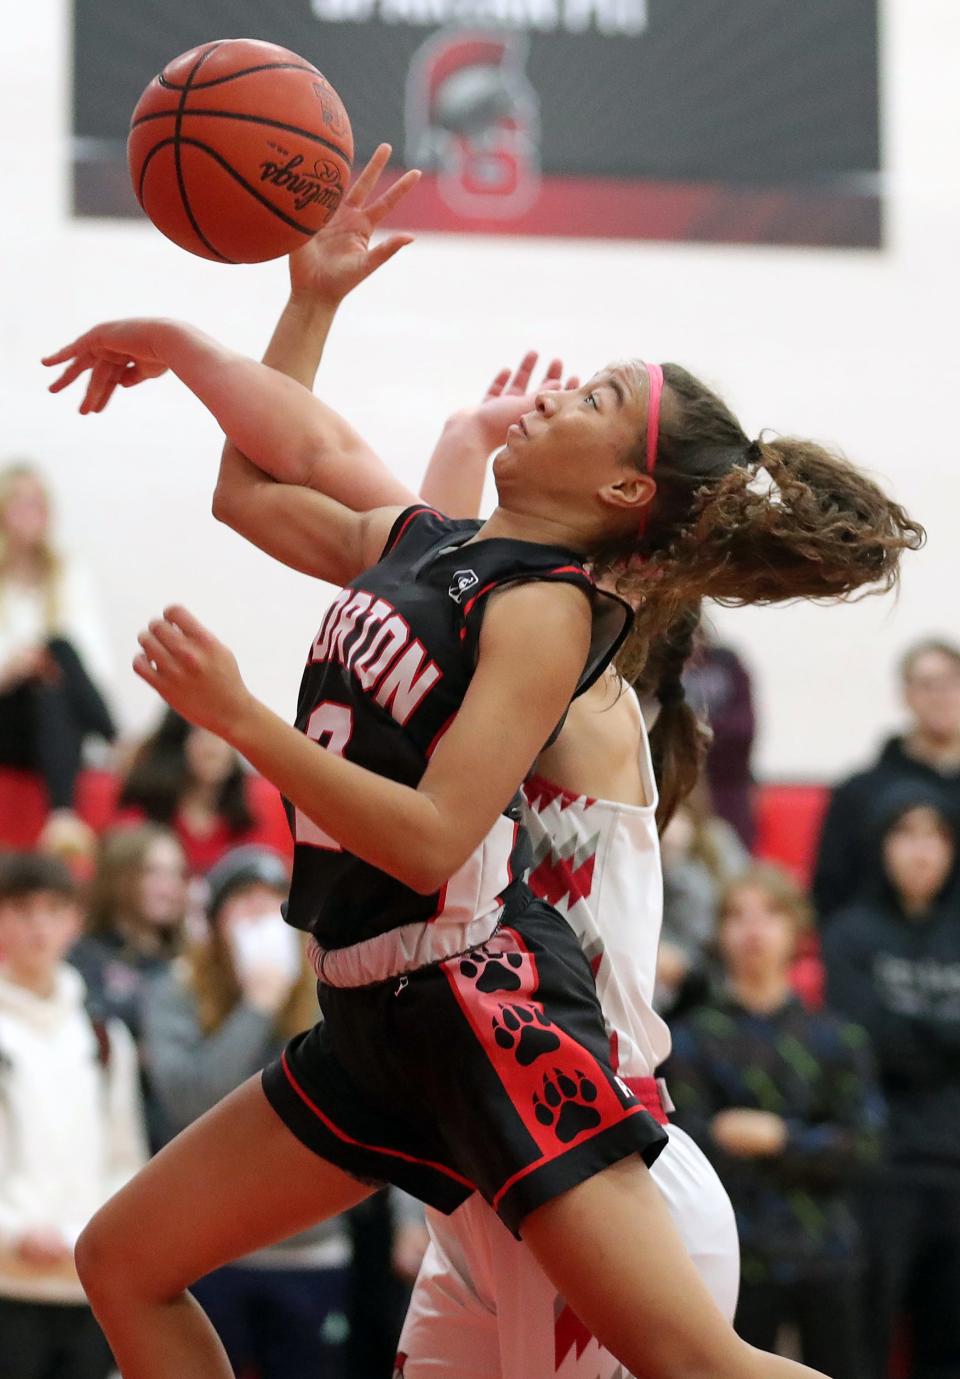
<point>598,751</point>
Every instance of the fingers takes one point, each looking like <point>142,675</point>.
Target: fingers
<point>145,670</point>
<point>165,635</point>
<point>72,371</point>
<point>499,383</point>
<point>553,378</point>
<point>133,374</point>
<point>189,625</point>
<point>61,355</point>
<point>572,382</point>
<point>103,380</point>
<point>139,371</point>
<point>385,250</point>
<point>175,639</point>
<point>394,193</point>
<point>521,379</point>
<point>363,184</point>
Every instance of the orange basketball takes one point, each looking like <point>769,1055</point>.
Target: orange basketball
<point>239,150</point>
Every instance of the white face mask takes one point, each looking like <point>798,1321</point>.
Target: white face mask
<point>265,940</point>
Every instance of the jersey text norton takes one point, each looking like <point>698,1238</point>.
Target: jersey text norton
<point>385,677</point>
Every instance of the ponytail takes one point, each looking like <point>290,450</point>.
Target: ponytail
<point>748,522</point>
<point>679,740</point>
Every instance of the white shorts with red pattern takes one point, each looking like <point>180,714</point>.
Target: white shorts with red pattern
<point>483,1308</point>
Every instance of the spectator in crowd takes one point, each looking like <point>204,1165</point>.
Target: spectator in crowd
<point>135,923</point>
<point>928,751</point>
<point>226,1008</point>
<point>718,687</point>
<point>786,1104</point>
<point>53,653</point>
<point>701,854</point>
<point>190,780</point>
<point>893,965</point>
<point>70,1126</point>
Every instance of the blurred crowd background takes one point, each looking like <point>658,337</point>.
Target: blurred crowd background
<point>809,969</point>
<point>779,208</point>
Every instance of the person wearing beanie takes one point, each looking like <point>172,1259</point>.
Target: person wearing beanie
<point>893,965</point>
<point>71,1130</point>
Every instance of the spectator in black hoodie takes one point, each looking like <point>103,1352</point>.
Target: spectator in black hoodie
<point>893,965</point>
<point>928,751</point>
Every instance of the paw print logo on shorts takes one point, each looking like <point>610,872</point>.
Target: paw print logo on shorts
<point>526,1030</point>
<point>492,973</point>
<point>565,1103</point>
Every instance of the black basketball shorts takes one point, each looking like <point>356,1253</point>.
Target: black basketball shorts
<point>486,1072</point>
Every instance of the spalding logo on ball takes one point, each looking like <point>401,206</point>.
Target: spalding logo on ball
<point>239,150</point>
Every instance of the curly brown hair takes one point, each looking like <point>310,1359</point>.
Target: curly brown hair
<point>739,522</point>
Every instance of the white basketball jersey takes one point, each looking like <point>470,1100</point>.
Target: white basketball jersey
<point>598,863</point>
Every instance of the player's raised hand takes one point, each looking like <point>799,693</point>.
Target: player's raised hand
<point>116,353</point>
<point>340,256</point>
<point>193,671</point>
<point>510,395</point>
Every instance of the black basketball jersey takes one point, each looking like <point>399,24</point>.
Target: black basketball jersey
<point>385,677</point>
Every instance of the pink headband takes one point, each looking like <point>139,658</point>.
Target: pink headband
<point>655,378</point>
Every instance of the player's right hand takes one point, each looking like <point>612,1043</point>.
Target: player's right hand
<point>116,353</point>
<point>339,256</point>
<point>510,395</point>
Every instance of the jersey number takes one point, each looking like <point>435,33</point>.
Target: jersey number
<point>330,725</point>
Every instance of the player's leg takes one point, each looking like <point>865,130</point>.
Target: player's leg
<point>540,1334</point>
<point>234,1181</point>
<point>611,1249</point>
<point>702,1214</point>
<point>451,1327</point>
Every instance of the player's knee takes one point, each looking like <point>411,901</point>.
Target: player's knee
<point>90,1255</point>
<point>106,1258</point>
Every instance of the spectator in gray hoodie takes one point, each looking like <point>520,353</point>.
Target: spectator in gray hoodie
<point>214,1019</point>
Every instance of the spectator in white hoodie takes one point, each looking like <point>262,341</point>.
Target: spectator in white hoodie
<point>71,1129</point>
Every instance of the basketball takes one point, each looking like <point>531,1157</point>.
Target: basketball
<point>239,150</point>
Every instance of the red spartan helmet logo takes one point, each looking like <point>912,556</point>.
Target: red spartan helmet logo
<point>473,117</point>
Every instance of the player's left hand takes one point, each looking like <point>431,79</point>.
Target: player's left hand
<point>195,673</point>
<point>339,256</point>
<point>510,395</point>
<point>117,353</point>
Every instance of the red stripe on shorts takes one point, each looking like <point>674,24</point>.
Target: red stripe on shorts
<point>374,1148</point>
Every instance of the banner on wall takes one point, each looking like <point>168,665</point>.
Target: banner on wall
<point>736,121</point>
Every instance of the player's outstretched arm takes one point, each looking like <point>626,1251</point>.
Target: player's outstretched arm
<point>334,262</point>
<point>453,481</point>
<point>533,646</point>
<point>272,419</point>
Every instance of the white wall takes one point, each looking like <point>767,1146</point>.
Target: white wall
<point>861,349</point>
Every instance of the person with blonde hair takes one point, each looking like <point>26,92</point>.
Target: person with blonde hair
<point>53,652</point>
<point>785,1103</point>
<point>134,929</point>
